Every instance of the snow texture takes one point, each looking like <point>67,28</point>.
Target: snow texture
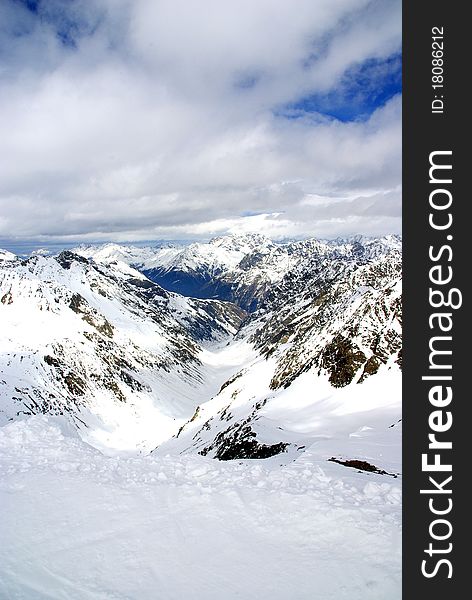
<point>118,397</point>
<point>77,524</point>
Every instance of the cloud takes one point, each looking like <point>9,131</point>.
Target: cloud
<point>142,119</point>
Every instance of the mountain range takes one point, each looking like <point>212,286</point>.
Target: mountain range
<point>234,349</point>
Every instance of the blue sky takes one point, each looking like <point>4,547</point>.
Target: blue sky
<point>69,20</point>
<point>138,120</point>
<point>363,88</point>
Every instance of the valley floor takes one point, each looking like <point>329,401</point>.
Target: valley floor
<point>78,525</point>
<point>133,428</point>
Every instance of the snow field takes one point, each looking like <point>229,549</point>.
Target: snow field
<point>76,524</point>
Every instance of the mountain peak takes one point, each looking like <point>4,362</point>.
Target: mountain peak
<point>5,255</point>
<point>66,258</point>
<point>241,238</point>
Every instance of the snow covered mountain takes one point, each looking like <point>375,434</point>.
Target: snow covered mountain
<point>200,447</point>
<point>238,268</point>
<point>91,336</point>
<point>104,345</point>
<point>328,344</point>
<point>198,270</point>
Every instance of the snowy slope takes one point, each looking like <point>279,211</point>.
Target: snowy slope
<point>7,256</point>
<point>329,365</point>
<point>79,525</point>
<point>106,346</point>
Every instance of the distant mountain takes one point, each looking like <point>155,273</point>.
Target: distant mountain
<point>6,256</point>
<point>238,268</point>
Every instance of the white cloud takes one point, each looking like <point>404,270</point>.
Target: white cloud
<point>145,129</point>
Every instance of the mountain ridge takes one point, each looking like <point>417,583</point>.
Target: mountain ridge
<point>122,348</point>
<point>238,268</point>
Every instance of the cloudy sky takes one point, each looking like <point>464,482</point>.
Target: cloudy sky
<point>184,119</point>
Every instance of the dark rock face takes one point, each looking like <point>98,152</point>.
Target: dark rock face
<point>370,368</point>
<point>249,449</point>
<point>361,465</point>
<point>66,258</point>
<point>237,440</point>
<point>240,444</point>
<point>147,289</point>
<point>342,360</point>
<point>91,316</point>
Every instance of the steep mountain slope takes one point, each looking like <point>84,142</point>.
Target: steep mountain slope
<point>104,345</point>
<point>329,343</point>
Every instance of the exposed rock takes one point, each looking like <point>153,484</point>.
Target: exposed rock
<point>361,465</point>
<point>342,360</point>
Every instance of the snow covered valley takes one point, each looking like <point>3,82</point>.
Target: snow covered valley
<point>157,447</point>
